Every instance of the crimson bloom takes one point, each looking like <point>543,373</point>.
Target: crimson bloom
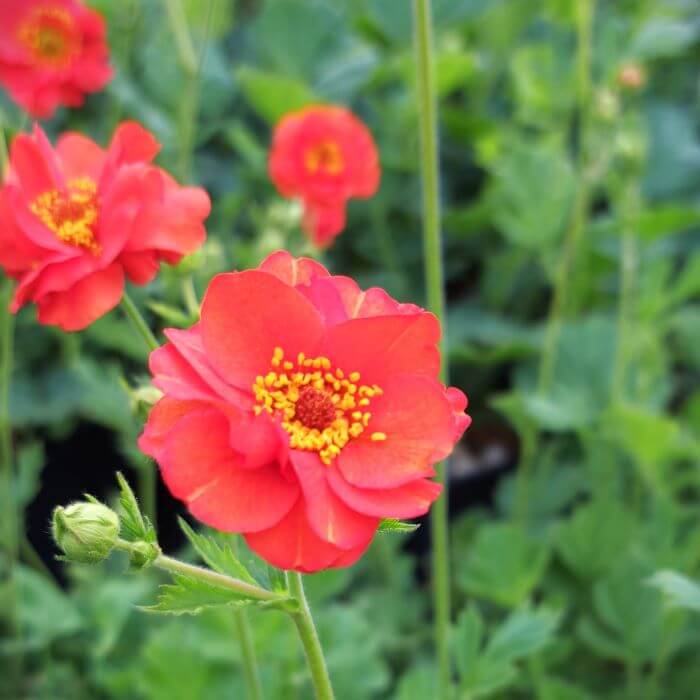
<point>52,52</point>
<point>301,410</point>
<point>76,219</point>
<point>324,155</point>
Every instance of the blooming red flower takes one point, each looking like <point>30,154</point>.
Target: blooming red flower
<point>76,219</point>
<point>324,155</point>
<point>52,52</point>
<point>301,410</point>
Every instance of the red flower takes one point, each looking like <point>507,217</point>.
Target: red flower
<point>324,155</point>
<point>52,52</point>
<point>302,410</point>
<point>75,219</point>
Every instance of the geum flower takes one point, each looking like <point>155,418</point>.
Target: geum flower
<point>300,411</point>
<point>324,155</point>
<point>77,219</point>
<point>52,52</point>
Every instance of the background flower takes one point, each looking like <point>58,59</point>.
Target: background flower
<point>77,219</point>
<point>52,52</point>
<point>301,410</point>
<point>324,155</point>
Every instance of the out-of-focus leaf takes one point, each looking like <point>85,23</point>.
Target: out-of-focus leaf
<point>591,541</point>
<point>666,219</point>
<point>503,565</point>
<point>524,632</point>
<point>532,192</point>
<point>661,38</point>
<point>272,95</point>
<point>30,462</point>
<point>679,590</point>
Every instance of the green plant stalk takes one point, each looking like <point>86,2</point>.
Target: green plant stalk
<point>181,34</point>
<point>566,262</point>
<point>175,566</point>
<point>10,515</point>
<point>628,274</point>
<point>139,322</point>
<point>432,248</point>
<point>309,639</point>
<point>250,667</point>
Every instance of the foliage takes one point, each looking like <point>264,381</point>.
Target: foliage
<point>576,577</point>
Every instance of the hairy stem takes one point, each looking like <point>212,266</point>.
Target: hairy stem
<point>309,639</point>
<point>432,248</point>
<point>139,322</point>
<point>250,667</point>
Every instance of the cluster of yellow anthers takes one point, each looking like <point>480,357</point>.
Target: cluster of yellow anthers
<point>71,215</point>
<point>326,156</point>
<point>50,34</point>
<point>322,409</point>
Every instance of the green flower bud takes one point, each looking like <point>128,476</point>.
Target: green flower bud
<point>85,532</point>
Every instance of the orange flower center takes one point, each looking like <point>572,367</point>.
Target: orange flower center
<point>326,157</point>
<point>321,408</point>
<point>72,214</point>
<point>51,35</point>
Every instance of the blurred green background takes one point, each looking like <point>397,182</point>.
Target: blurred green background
<point>570,157</point>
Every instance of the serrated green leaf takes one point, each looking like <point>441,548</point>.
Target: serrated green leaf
<point>396,526</point>
<point>680,591</point>
<point>524,632</point>
<point>189,596</point>
<point>135,526</point>
<point>221,558</point>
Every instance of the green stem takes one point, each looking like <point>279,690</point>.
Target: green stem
<point>148,486</point>
<point>427,113</point>
<point>250,667</point>
<point>10,515</point>
<point>565,264</point>
<point>181,34</point>
<point>31,557</point>
<point>309,639</point>
<point>139,322</point>
<point>175,566</point>
<point>628,273</point>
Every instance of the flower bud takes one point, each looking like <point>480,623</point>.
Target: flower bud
<point>631,77</point>
<point>86,532</point>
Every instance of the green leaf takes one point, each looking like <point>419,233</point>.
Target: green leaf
<point>590,542</point>
<point>680,591</point>
<point>219,557</point>
<point>525,632</point>
<point>468,639</point>
<point>396,526</point>
<point>135,527</point>
<point>190,596</point>
<point>30,462</point>
<point>666,219</point>
<point>272,95</point>
<point>503,565</point>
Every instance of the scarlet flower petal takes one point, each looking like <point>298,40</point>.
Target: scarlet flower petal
<point>85,302</point>
<point>200,468</point>
<point>323,222</point>
<point>246,315</point>
<point>79,156</point>
<point>410,500</point>
<point>329,516</point>
<point>33,166</point>
<point>161,419</point>
<point>384,345</point>
<point>293,545</point>
<point>416,418</point>
<point>293,271</point>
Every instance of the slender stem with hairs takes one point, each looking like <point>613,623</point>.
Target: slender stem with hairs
<point>432,247</point>
<point>139,323</point>
<point>309,639</point>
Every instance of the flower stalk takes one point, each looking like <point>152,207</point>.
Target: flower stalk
<point>139,323</point>
<point>427,113</point>
<point>309,639</point>
<point>250,667</point>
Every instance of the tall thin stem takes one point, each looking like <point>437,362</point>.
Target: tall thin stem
<point>10,534</point>
<point>139,323</point>
<point>309,639</point>
<point>250,668</point>
<point>566,262</point>
<point>432,246</point>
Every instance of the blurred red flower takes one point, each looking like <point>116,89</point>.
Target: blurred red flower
<point>52,52</point>
<point>76,219</point>
<point>301,410</point>
<point>324,155</point>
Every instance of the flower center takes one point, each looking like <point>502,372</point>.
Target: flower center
<point>51,35</point>
<point>321,408</point>
<point>72,215</point>
<point>324,156</point>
